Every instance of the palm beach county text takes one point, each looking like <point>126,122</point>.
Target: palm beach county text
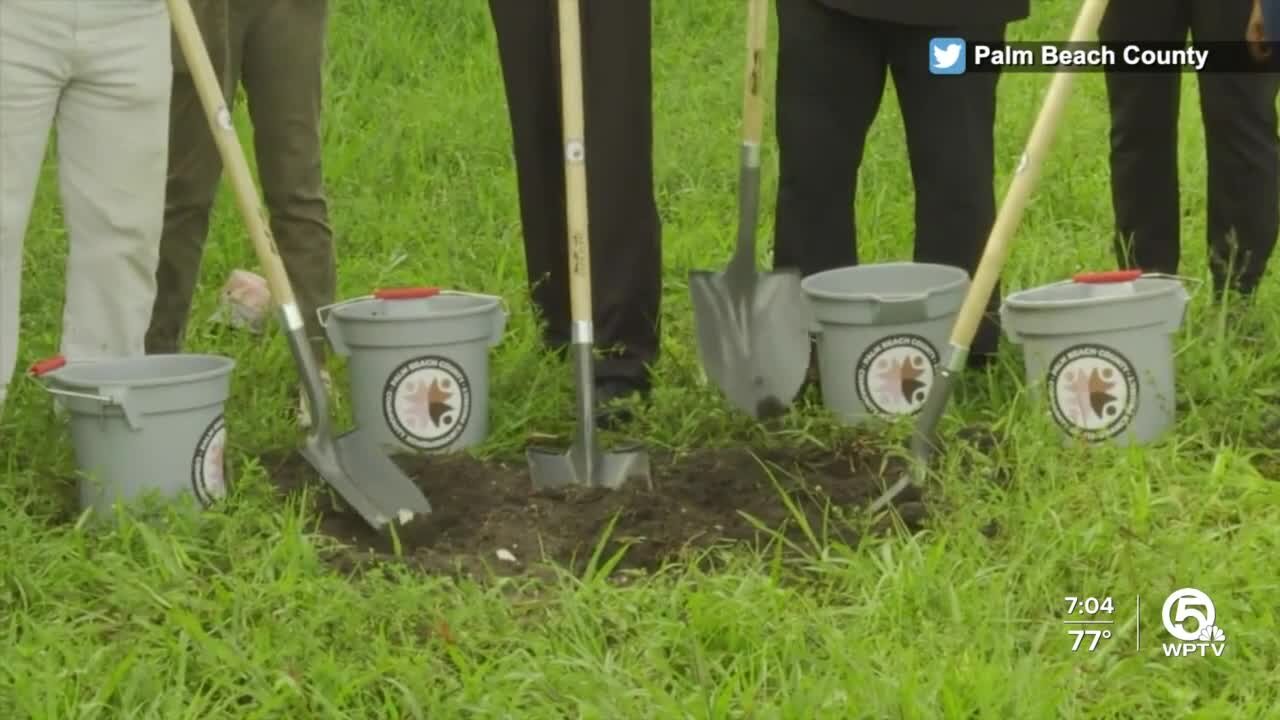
<point>1140,57</point>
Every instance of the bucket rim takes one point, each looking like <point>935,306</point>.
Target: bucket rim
<point>484,303</point>
<point>1019,300</point>
<point>65,375</point>
<point>961,278</point>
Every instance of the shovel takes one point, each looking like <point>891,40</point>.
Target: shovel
<point>385,492</point>
<point>585,463</point>
<point>924,440</point>
<point>752,328</point>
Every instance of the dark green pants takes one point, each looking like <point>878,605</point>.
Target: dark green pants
<point>276,49</point>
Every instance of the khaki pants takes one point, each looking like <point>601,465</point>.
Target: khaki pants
<point>276,48</point>
<point>100,71</point>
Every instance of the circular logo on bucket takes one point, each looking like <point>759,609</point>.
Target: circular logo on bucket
<point>894,375</point>
<point>1093,391</point>
<point>208,468</point>
<point>427,402</point>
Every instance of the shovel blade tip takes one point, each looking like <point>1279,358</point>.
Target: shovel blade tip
<point>384,492</point>
<point>754,347</point>
<point>620,468</point>
<point>612,470</point>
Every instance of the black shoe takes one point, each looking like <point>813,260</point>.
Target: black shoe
<point>613,398</point>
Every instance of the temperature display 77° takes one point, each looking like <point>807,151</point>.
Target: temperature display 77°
<point>1091,618</point>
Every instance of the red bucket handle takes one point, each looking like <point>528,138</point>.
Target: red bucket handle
<point>44,367</point>
<point>1109,276</point>
<point>410,293</point>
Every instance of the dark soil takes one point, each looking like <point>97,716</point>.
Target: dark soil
<point>698,501</point>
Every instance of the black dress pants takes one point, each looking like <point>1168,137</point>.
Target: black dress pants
<point>625,231</point>
<point>831,77</point>
<point>1243,154</point>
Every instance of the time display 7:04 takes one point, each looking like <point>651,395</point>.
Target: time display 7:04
<point>1089,605</point>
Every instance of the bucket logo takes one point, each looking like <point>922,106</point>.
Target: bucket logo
<point>208,465</point>
<point>894,375</point>
<point>1093,391</point>
<point>427,402</point>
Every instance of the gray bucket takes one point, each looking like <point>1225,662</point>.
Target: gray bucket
<point>1100,352</point>
<point>882,330</point>
<point>418,363</point>
<point>148,424</point>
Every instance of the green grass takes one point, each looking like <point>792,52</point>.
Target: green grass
<point>236,616</point>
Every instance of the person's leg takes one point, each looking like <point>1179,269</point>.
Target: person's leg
<point>35,62</point>
<point>1144,139</point>
<point>283,73</point>
<point>830,79</point>
<point>620,195</point>
<point>113,151</point>
<point>626,232</point>
<point>194,170</point>
<point>527,51</point>
<point>1243,154</point>
<point>950,128</point>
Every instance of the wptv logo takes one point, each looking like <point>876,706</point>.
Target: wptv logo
<point>1190,616</point>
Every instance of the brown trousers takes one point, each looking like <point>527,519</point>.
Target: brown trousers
<point>276,49</point>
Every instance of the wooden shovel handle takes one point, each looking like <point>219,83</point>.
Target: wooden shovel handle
<point>575,169</point>
<point>233,158</point>
<point>753,80</point>
<point>1024,181</point>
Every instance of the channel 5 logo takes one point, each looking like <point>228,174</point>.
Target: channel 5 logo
<point>1183,606</point>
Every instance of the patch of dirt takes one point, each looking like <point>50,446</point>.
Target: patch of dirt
<point>698,501</point>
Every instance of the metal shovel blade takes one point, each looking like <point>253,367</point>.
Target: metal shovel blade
<point>586,468</point>
<point>753,337</point>
<point>586,464</point>
<point>341,460</point>
<point>365,476</point>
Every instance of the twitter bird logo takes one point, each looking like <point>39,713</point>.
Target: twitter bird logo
<point>946,56</point>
